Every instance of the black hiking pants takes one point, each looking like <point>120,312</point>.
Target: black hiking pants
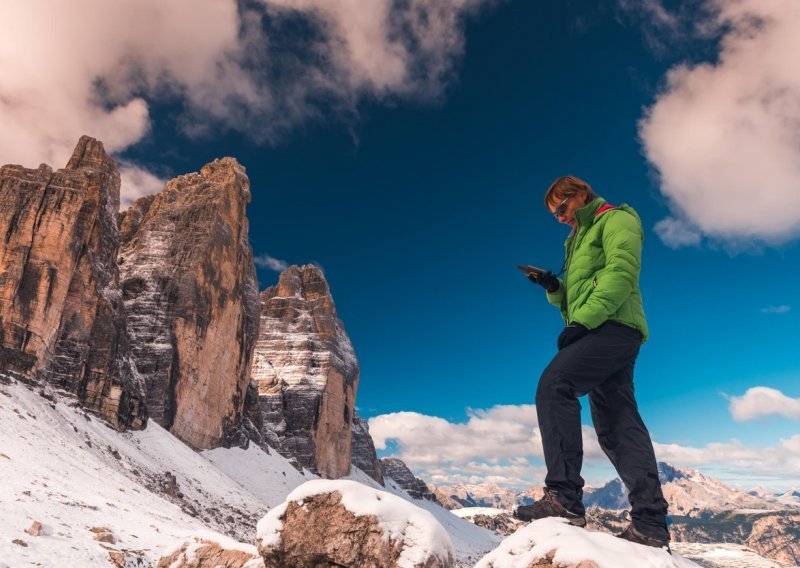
<point>600,364</point>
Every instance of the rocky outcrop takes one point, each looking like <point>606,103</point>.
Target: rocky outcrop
<point>503,523</point>
<point>343,523</point>
<point>211,551</point>
<point>307,373</point>
<point>774,535</point>
<point>62,318</point>
<point>190,290</point>
<point>399,472</point>
<point>363,454</point>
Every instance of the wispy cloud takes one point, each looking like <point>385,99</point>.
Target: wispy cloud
<point>722,135</point>
<point>763,401</point>
<point>259,67</point>
<point>266,261</point>
<point>782,309</point>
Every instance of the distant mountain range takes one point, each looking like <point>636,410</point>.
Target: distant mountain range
<point>702,510</point>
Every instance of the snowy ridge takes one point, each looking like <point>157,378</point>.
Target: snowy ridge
<point>70,472</point>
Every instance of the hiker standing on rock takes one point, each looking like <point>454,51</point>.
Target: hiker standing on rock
<point>601,305</point>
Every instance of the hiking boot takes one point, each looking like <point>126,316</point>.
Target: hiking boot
<point>633,535</point>
<point>548,506</point>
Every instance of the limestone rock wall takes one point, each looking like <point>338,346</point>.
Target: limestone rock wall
<point>190,290</point>
<point>307,373</point>
<point>363,454</point>
<point>61,312</point>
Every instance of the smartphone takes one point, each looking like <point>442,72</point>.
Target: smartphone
<point>528,270</point>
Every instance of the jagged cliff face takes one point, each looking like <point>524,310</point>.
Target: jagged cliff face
<point>61,311</point>
<point>397,470</point>
<point>307,373</point>
<point>190,290</point>
<point>363,454</point>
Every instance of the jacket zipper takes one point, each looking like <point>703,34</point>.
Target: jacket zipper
<point>566,273</point>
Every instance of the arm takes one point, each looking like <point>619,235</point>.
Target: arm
<point>622,245</point>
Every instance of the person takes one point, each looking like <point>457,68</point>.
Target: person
<point>605,326</point>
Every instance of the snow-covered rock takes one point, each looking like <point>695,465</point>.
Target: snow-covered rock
<point>554,542</point>
<point>349,524</point>
<point>210,550</point>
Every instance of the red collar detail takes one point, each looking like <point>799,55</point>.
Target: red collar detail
<point>603,209</point>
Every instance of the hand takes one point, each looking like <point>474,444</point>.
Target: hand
<point>571,333</point>
<point>546,280</point>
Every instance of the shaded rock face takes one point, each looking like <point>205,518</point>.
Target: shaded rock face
<point>320,531</point>
<point>190,290</point>
<point>399,472</point>
<point>363,452</point>
<point>62,318</point>
<point>503,524</point>
<point>307,373</point>
<point>198,552</point>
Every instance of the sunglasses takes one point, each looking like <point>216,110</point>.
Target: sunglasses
<point>561,208</point>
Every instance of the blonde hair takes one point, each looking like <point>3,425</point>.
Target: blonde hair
<point>568,186</point>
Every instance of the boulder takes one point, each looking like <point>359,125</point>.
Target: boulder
<point>210,550</point>
<point>344,523</point>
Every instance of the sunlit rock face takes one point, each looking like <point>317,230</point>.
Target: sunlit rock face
<point>307,373</point>
<point>62,318</point>
<point>191,294</point>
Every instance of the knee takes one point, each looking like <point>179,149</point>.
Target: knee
<point>552,386</point>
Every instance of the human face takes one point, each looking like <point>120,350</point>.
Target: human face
<point>564,210</point>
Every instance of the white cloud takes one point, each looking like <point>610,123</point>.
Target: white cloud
<point>266,261</point>
<point>97,67</point>
<point>779,462</point>
<point>136,182</point>
<point>502,443</point>
<point>724,136</point>
<point>762,401</point>
<point>782,309</point>
<point>677,233</point>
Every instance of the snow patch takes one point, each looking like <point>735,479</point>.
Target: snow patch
<point>571,545</point>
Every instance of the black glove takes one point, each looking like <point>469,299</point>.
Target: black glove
<point>546,280</point>
<point>571,333</point>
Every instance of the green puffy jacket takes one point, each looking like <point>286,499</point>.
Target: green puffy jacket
<point>603,259</point>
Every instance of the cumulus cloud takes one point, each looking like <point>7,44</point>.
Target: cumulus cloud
<point>781,461</point>
<point>99,68</point>
<point>762,401</point>
<point>267,261</point>
<point>724,136</point>
<point>501,444</point>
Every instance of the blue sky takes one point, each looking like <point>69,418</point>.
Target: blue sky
<point>411,168</point>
